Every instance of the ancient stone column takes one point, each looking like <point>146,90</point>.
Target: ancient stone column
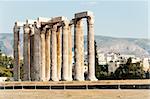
<point>26,52</point>
<point>37,54</point>
<point>65,50</point>
<point>54,76</point>
<point>91,53</point>
<point>43,32</point>
<point>16,69</point>
<point>82,50</point>
<point>32,53</point>
<point>59,53</point>
<point>70,53</point>
<point>78,44</point>
<point>47,54</point>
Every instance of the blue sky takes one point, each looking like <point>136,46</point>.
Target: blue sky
<point>117,18</point>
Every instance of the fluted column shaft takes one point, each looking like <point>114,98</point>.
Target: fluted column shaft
<point>16,69</point>
<point>54,54</point>
<point>78,50</point>
<point>43,54</point>
<point>37,54</point>
<point>70,53</point>
<point>91,52</point>
<point>65,51</point>
<point>82,50</point>
<point>59,53</point>
<point>26,53</point>
<point>47,53</point>
<point>32,54</point>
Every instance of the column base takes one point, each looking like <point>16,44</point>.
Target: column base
<point>43,80</point>
<point>59,79</point>
<point>92,79</point>
<point>47,79</point>
<point>79,79</point>
<point>55,79</point>
<point>70,79</point>
<point>65,79</point>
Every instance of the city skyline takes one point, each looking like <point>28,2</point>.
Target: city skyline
<point>128,19</point>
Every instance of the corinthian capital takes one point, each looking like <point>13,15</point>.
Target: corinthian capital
<point>90,19</point>
<point>26,28</point>
<point>16,28</point>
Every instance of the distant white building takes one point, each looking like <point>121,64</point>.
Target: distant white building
<point>115,63</point>
<point>113,60</point>
<point>3,79</point>
<point>136,60</point>
<point>102,59</point>
<point>146,64</point>
<point>128,56</point>
<point>3,54</point>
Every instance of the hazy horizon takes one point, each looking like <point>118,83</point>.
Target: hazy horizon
<point>102,35</point>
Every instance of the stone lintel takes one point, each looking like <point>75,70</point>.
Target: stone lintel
<point>43,19</point>
<point>40,20</point>
<point>83,14</point>
<point>58,19</point>
<point>47,27</point>
<point>54,20</point>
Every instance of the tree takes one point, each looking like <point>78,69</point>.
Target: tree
<point>0,53</point>
<point>97,69</point>
<point>129,71</point>
<point>96,54</point>
<point>101,71</point>
<point>6,65</point>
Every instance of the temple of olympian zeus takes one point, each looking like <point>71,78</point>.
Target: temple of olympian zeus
<point>47,48</point>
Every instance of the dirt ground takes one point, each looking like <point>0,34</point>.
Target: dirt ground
<point>74,94</point>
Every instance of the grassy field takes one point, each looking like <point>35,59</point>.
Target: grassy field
<point>74,94</point>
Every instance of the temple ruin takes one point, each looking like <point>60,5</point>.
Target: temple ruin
<point>47,48</point>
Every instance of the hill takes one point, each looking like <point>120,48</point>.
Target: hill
<point>137,47</point>
<point>134,46</point>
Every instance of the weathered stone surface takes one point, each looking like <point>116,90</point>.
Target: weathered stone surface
<point>31,52</point>
<point>47,53</point>
<point>59,53</point>
<point>16,69</point>
<point>83,14</point>
<point>32,56</point>
<point>43,19</point>
<point>82,50</point>
<point>70,52</point>
<point>43,32</point>
<point>42,48</point>
<point>26,53</point>
<point>54,76</point>
<point>91,51</point>
<point>37,55</point>
<point>54,20</point>
<point>65,50</point>
<point>58,19</point>
<point>78,44</point>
